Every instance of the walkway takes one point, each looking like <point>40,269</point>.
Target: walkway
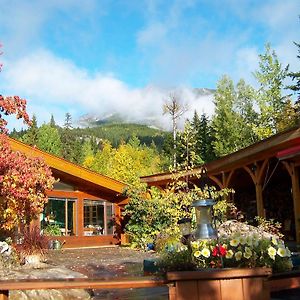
<point>106,262</point>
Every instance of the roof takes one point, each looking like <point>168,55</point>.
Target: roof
<point>270,147</point>
<point>82,178</point>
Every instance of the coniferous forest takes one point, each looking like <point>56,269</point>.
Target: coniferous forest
<point>243,115</point>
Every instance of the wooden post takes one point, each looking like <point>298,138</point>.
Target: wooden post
<point>296,199</point>
<point>80,215</point>
<point>294,174</point>
<point>259,200</point>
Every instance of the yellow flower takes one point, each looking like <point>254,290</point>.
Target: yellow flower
<point>234,242</point>
<point>229,254</point>
<point>238,255</point>
<point>195,244</point>
<point>274,241</point>
<point>272,252</point>
<point>197,254</point>
<point>205,252</point>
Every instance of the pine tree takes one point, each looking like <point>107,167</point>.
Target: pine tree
<point>49,140</point>
<point>52,121</point>
<point>205,138</point>
<point>31,136</point>
<point>68,139</point>
<point>296,77</point>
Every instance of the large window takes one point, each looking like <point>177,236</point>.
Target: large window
<point>62,213</point>
<point>97,217</point>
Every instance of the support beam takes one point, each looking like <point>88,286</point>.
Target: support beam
<point>294,174</point>
<point>259,200</point>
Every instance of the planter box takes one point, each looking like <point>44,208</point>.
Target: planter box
<point>220,284</point>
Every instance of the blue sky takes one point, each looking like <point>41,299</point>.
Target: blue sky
<point>107,56</point>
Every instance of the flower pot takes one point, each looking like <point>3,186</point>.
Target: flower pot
<point>220,284</point>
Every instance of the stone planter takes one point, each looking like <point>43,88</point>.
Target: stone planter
<point>220,284</point>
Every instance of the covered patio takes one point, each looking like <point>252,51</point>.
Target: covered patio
<point>265,177</point>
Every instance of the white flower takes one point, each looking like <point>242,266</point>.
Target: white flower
<point>205,252</point>
<point>229,254</point>
<point>234,242</point>
<point>197,253</point>
<point>282,252</point>
<point>249,240</point>
<point>243,240</point>
<point>272,252</point>
<point>238,255</point>
<point>247,253</point>
<point>274,241</point>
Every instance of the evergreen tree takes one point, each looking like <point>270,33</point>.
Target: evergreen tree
<point>31,136</point>
<point>296,77</point>
<point>205,139</point>
<point>68,139</point>
<point>52,121</point>
<point>49,140</point>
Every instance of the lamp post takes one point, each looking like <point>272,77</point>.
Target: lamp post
<point>205,229</point>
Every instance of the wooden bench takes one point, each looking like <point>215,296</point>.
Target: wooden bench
<point>78,283</point>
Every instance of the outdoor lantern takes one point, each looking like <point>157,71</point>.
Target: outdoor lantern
<point>205,229</point>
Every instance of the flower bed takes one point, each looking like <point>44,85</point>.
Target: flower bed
<point>240,251</point>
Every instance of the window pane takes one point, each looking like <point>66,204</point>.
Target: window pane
<point>109,218</point>
<point>93,217</point>
<point>60,216</point>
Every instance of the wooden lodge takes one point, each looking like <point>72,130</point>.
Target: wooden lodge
<point>83,203</point>
<point>265,177</point>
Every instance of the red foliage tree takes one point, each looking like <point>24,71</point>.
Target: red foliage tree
<point>23,180</point>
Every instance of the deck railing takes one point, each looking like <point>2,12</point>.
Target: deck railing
<point>78,283</point>
<point>277,282</point>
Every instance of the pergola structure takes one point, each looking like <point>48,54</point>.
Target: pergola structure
<point>83,203</point>
<point>265,177</point>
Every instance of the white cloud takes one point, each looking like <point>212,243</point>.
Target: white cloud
<point>54,85</point>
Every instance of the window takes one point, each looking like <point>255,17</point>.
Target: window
<point>62,213</point>
<point>97,217</point>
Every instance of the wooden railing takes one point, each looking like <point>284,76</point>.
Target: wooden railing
<point>276,282</point>
<point>78,283</point>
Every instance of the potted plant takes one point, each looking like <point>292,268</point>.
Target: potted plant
<point>239,260</point>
